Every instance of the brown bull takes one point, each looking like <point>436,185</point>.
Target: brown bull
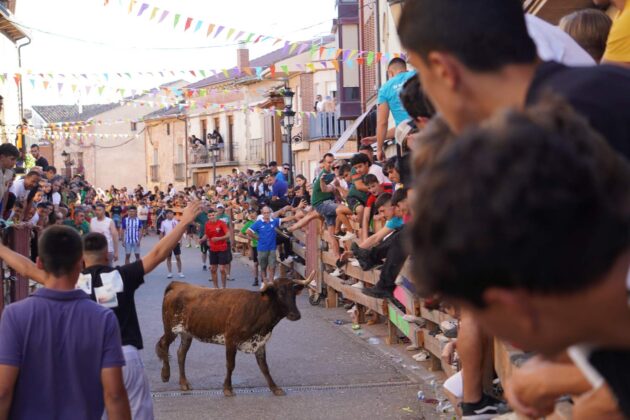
<point>236,318</point>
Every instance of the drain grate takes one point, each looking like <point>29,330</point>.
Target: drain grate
<point>289,389</point>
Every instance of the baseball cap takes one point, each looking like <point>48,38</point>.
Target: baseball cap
<point>220,206</point>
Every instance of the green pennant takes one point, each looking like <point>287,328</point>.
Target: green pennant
<point>176,20</point>
<point>370,58</point>
<point>249,37</point>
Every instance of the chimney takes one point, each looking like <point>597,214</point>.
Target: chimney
<point>242,55</point>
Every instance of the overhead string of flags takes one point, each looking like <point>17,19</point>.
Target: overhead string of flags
<point>215,30</point>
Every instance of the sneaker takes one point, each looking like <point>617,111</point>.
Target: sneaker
<point>377,292</point>
<point>354,262</point>
<point>347,237</point>
<point>399,281</point>
<point>352,309</point>
<point>169,276</point>
<point>422,356</point>
<point>231,279</point>
<point>338,272</point>
<point>287,260</point>
<point>188,246</point>
<point>358,285</point>
<point>255,283</point>
<point>449,328</point>
<point>415,319</point>
<point>205,268</point>
<point>487,408</point>
<point>181,275</point>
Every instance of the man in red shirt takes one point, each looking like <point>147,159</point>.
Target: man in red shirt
<point>216,234</point>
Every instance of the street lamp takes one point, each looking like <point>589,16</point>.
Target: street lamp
<point>214,150</point>
<point>288,121</point>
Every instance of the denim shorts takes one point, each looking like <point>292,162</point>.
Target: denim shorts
<point>328,209</point>
<point>132,248</point>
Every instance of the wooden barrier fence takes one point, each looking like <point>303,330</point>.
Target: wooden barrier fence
<point>14,286</point>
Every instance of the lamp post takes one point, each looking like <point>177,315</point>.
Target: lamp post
<point>214,150</point>
<point>288,120</point>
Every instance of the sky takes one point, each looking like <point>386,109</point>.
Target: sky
<point>86,36</point>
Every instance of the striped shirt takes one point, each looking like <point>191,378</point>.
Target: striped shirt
<point>133,230</point>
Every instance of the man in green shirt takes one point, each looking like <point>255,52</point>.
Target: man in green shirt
<point>251,219</point>
<point>78,223</point>
<point>201,221</point>
<point>323,198</point>
<point>357,195</point>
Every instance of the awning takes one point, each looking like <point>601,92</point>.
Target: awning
<point>348,133</point>
<point>8,28</point>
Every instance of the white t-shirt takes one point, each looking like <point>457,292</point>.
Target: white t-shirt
<point>553,44</point>
<point>56,198</point>
<point>19,190</point>
<point>143,213</point>
<point>103,227</point>
<point>167,226</point>
<point>377,171</point>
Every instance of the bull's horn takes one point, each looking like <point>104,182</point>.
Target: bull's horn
<point>265,287</point>
<point>308,280</point>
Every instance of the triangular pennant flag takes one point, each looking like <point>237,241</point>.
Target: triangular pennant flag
<point>143,7</point>
<point>258,39</point>
<point>259,72</point>
<point>249,37</point>
<point>240,34</point>
<point>45,83</point>
<point>219,29</point>
<point>59,86</point>
<point>346,55</point>
<point>272,69</point>
<point>311,67</point>
<point>293,47</point>
<point>17,77</point>
<point>193,73</point>
<point>352,53</point>
<point>338,54</point>
<point>360,61</point>
<point>226,74</point>
<point>277,41</point>
<point>188,23</point>
<point>164,14</point>
<point>248,70</point>
<point>199,24</point>
<point>3,77</point>
<point>379,56</point>
<point>32,83</point>
<point>153,13</point>
<point>131,3</point>
<point>285,68</point>
<point>323,63</point>
<point>176,20</point>
<point>370,58</point>
<point>210,29</point>
<point>74,88</point>
<point>203,73</point>
<point>106,76</point>
<point>230,33</point>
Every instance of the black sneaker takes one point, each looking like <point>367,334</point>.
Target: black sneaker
<point>205,268</point>
<point>485,409</point>
<point>255,283</point>
<point>377,292</point>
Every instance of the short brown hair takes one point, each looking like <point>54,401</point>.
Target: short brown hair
<point>590,29</point>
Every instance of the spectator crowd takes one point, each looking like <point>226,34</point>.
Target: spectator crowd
<point>508,189</point>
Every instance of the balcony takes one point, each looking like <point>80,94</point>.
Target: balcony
<point>154,169</point>
<point>179,171</point>
<point>326,125</point>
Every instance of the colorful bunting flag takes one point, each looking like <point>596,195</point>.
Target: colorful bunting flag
<point>188,23</point>
<point>164,15</point>
<point>176,20</point>
<point>143,7</point>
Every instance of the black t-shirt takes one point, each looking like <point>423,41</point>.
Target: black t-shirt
<point>600,93</point>
<point>42,162</point>
<point>132,277</point>
<point>116,210</point>
<point>614,366</point>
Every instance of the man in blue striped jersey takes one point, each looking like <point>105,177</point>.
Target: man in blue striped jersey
<point>132,230</point>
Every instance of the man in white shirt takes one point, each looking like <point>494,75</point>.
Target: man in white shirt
<point>143,215</point>
<point>165,228</point>
<point>8,155</point>
<point>23,186</point>
<point>107,227</point>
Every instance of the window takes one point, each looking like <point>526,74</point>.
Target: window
<point>134,126</point>
<point>168,129</point>
<point>155,156</point>
<point>180,153</point>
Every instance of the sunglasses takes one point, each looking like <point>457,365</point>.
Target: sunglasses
<point>336,167</point>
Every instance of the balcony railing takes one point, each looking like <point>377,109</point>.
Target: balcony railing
<point>255,150</point>
<point>326,125</point>
<point>154,169</point>
<point>179,170</point>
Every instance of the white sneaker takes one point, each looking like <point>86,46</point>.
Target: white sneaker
<point>352,309</point>
<point>338,272</point>
<point>358,285</point>
<point>170,276</point>
<point>347,237</point>
<point>399,281</point>
<point>181,275</point>
<point>422,356</point>
<point>354,262</point>
<point>287,260</point>
<point>415,319</point>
